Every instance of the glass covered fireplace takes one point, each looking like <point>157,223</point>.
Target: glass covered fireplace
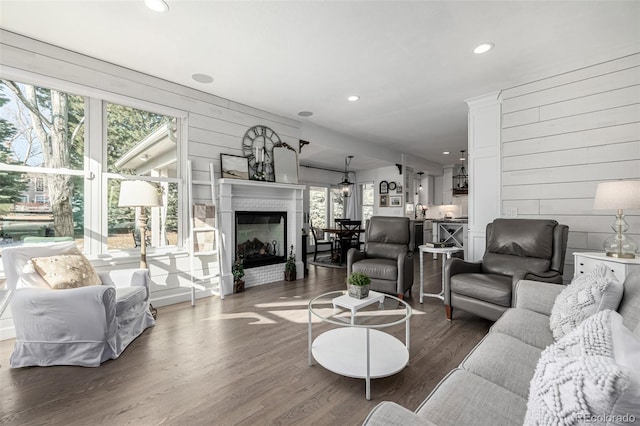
<point>261,238</point>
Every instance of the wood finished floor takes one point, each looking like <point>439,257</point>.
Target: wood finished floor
<point>240,361</point>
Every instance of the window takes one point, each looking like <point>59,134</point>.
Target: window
<point>46,157</point>
<point>141,143</point>
<point>39,184</point>
<point>318,206</point>
<point>42,152</point>
<point>367,201</point>
<point>337,204</point>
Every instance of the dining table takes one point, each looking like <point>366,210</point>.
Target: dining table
<point>344,238</point>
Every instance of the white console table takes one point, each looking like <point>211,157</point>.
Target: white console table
<point>586,261</point>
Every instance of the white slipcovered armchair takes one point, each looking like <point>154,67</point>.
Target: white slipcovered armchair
<point>82,326</point>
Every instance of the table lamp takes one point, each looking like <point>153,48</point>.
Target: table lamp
<point>141,194</point>
<point>623,194</point>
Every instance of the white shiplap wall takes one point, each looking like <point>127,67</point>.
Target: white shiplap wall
<point>563,135</point>
<point>214,125</point>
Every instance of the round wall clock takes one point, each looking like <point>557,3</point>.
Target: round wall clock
<point>392,186</point>
<point>257,146</point>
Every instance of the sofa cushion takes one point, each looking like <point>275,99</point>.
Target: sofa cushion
<point>463,398</point>
<point>586,295</point>
<point>382,269</point>
<point>530,327</point>
<point>630,304</point>
<point>589,374</point>
<point>505,361</point>
<point>488,287</point>
<point>67,270</point>
<point>127,297</point>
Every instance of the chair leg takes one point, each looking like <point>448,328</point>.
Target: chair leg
<point>401,296</point>
<point>315,253</point>
<point>448,310</point>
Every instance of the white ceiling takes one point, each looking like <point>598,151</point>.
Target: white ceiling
<point>411,62</point>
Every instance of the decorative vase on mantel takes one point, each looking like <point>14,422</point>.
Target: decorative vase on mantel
<point>238,286</point>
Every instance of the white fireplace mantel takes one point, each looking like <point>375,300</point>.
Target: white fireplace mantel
<point>250,195</point>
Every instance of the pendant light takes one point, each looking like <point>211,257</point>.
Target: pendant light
<point>461,180</point>
<point>346,184</point>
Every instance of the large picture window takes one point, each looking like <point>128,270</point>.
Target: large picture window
<point>41,156</point>
<point>48,157</point>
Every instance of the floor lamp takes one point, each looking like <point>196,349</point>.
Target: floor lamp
<point>140,194</point>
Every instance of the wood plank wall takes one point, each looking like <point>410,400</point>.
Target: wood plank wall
<point>214,125</point>
<point>563,135</point>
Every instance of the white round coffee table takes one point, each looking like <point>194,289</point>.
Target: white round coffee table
<point>359,348</point>
<point>446,254</point>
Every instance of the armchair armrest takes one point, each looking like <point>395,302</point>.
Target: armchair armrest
<point>405,272</point>
<point>391,414</point>
<point>85,313</point>
<point>536,296</point>
<point>547,277</point>
<point>125,277</point>
<point>354,255</point>
<point>453,267</point>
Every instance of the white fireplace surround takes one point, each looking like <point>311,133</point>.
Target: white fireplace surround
<point>250,195</point>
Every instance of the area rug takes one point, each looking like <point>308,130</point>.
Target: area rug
<point>325,260</point>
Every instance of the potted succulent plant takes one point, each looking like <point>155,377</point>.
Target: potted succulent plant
<point>290,266</point>
<point>358,285</point>
<point>238,272</point>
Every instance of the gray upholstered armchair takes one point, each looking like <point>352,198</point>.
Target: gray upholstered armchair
<point>516,249</point>
<point>386,258</point>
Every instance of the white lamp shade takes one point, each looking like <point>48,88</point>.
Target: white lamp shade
<point>138,193</point>
<point>622,194</point>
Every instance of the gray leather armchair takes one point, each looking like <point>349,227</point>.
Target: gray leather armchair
<point>516,249</point>
<point>386,258</point>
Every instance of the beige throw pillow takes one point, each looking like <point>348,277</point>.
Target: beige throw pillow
<point>68,270</point>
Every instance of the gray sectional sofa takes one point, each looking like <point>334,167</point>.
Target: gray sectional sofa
<point>491,385</point>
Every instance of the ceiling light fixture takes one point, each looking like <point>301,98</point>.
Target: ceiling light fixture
<point>353,98</point>
<point>346,184</point>
<point>144,157</point>
<point>305,113</point>
<point>483,48</point>
<point>202,78</point>
<point>157,5</point>
<point>446,153</point>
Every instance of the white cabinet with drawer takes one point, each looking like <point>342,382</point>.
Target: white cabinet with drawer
<point>585,262</point>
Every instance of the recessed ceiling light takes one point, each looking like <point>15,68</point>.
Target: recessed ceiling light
<point>305,113</point>
<point>202,78</point>
<point>446,153</point>
<point>483,48</point>
<point>353,98</point>
<point>461,158</point>
<point>144,157</point>
<point>157,5</point>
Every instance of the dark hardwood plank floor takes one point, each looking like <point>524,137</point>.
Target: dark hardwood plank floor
<point>240,361</point>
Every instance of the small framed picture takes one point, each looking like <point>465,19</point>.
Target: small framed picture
<point>234,166</point>
<point>384,200</point>
<point>395,200</point>
<point>384,187</point>
<point>399,189</point>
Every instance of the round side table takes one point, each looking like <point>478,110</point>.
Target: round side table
<point>446,254</point>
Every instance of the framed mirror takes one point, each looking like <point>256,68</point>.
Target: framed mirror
<point>285,163</point>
